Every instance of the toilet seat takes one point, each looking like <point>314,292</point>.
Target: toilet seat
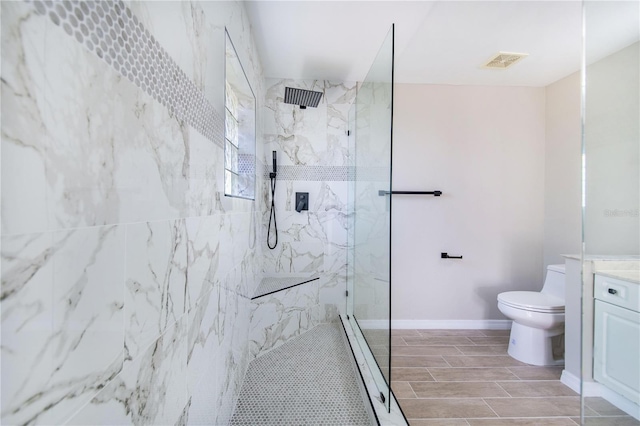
<point>532,301</point>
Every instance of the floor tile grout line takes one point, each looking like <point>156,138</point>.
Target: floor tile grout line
<point>458,349</point>
<point>490,407</point>
<point>501,387</point>
<point>517,373</point>
<point>445,360</point>
<point>432,376</point>
<point>412,390</point>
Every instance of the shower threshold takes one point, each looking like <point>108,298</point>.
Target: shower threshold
<point>309,380</point>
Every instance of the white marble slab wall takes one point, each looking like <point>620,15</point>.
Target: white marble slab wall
<point>313,156</point>
<point>126,273</point>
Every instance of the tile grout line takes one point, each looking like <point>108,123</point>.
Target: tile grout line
<point>413,391</point>
<point>490,407</point>
<point>432,376</point>
<point>517,373</point>
<point>447,362</point>
<point>511,396</point>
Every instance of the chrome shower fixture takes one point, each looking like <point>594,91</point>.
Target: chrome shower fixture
<point>302,97</point>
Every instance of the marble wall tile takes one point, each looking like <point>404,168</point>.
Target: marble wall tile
<point>332,197</point>
<point>24,135</point>
<point>88,147</point>
<point>156,282</point>
<point>334,225</point>
<point>331,296</point>
<point>305,257</point>
<point>230,362</point>
<point>315,240</point>
<point>202,409</point>
<point>315,136</point>
<point>233,17</point>
<point>94,149</point>
<point>237,236</point>
<point>186,20</point>
<point>62,320</point>
<point>165,169</point>
<point>204,341</point>
<point>150,390</point>
<point>340,93</point>
<point>281,316</point>
<point>218,340</point>
<point>202,175</point>
<point>323,196</point>
<point>336,250</point>
<point>105,157</point>
<point>203,257</point>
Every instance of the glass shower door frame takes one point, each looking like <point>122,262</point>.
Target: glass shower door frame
<point>369,258</point>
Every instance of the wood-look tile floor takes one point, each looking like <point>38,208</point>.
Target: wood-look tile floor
<point>466,378</point>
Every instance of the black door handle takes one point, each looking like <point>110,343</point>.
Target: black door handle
<point>446,256</point>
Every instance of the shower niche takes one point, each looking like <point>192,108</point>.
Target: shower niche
<point>240,128</point>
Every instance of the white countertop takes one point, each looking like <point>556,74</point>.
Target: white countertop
<point>632,276</point>
<point>605,258</point>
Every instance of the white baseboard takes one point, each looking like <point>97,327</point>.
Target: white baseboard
<point>621,402</point>
<point>452,324</point>
<point>571,381</point>
<point>373,324</point>
<point>591,389</point>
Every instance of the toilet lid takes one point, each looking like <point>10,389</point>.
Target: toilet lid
<point>532,300</point>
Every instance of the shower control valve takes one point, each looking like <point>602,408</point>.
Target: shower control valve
<point>302,201</point>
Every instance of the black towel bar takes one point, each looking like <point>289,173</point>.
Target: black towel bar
<point>434,193</point>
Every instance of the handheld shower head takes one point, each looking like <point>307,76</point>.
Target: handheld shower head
<point>275,164</point>
<point>272,214</point>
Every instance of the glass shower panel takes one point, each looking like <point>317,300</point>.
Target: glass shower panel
<point>610,353</point>
<point>371,204</point>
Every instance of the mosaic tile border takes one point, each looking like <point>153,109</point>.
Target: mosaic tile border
<point>113,33</point>
<point>330,173</point>
<point>246,164</point>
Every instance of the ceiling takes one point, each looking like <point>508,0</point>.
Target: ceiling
<point>437,42</point>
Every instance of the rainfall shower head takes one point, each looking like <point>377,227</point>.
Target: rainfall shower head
<point>302,97</point>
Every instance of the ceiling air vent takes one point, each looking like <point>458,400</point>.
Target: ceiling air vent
<point>503,60</point>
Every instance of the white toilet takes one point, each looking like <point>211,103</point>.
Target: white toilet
<point>538,320</point>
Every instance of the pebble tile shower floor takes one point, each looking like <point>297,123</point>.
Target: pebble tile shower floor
<point>306,381</point>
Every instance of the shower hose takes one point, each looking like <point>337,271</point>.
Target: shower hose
<point>272,214</point>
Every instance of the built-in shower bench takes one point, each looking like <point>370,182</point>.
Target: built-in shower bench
<point>270,285</point>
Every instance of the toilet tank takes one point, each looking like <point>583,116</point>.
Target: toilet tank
<point>554,282</point>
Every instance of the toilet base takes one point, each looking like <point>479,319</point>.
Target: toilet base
<point>534,345</point>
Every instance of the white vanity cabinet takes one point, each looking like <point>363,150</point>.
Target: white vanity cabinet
<point>616,356</point>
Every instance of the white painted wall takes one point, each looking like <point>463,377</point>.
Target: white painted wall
<point>484,147</point>
<point>612,135</point>
<point>562,171</point>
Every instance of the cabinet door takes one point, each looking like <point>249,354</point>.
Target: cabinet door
<point>617,349</point>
